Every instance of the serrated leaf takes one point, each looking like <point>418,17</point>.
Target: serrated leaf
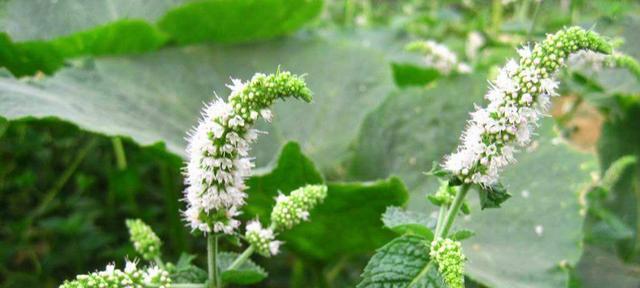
<point>493,196</point>
<point>330,232</point>
<point>409,222</point>
<point>185,272</point>
<point>414,127</point>
<point>248,273</point>
<point>402,263</point>
<point>462,234</point>
<point>140,96</point>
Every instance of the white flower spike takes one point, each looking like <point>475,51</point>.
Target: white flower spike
<point>219,149</point>
<point>518,98</point>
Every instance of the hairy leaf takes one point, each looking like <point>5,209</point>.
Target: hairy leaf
<point>248,273</point>
<point>408,222</point>
<point>402,263</point>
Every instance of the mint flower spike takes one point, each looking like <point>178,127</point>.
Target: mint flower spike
<point>439,57</point>
<point>131,276</point>
<point>144,240</point>
<point>262,239</point>
<point>518,98</point>
<point>447,254</point>
<point>219,147</point>
<point>293,209</point>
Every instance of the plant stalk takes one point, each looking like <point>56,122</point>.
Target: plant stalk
<point>118,149</point>
<point>241,258</point>
<point>453,211</point>
<point>212,260</point>
<point>496,16</point>
<point>441,214</point>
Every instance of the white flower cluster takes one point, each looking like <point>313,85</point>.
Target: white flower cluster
<point>219,149</point>
<point>518,98</point>
<point>262,239</point>
<point>439,57</point>
<point>475,41</point>
<point>114,278</point>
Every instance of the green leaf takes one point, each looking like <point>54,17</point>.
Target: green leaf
<point>290,171</point>
<point>233,21</point>
<point>462,234</point>
<point>408,222</point>
<point>402,263</point>
<point>492,197</point>
<point>157,97</point>
<point>248,273</point>
<point>185,272</point>
<point>601,268</point>
<point>44,35</point>
<point>617,141</point>
<point>415,127</point>
<point>330,233</point>
<point>406,74</point>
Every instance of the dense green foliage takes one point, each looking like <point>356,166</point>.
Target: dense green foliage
<point>94,110</point>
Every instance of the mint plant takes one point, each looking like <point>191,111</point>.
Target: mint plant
<point>518,97</point>
<point>215,174</point>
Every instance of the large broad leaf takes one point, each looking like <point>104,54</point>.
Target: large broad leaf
<point>157,97</point>
<point>600,268</point>
<point>541,223</point>
<point>237,20</point>
<point>45,35</point>
<point>402,263</point>
<point>619,139</point>
<point>346,223</point>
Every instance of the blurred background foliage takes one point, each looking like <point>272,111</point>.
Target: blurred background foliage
<point>97,95</point>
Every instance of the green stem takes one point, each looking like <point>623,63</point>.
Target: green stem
<point>536,12</point>
<point>241,258</point>
<point>64,178</point>
<point>496,15</point>
<point>453,211</point>
<point>118,149</point>
<point>212,260</point>
<point>420,275</point>
<point>441,214</point>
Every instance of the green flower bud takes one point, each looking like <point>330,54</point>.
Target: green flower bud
<point>116,278</point>
<point>262,239</point>
<point>447,254</point>
<point>293,209</point>
<point>144,240</point>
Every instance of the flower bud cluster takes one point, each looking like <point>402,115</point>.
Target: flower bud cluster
<point>131,276</point>
<point>293,209</point>
<point>144,240</point>
<point>262,239</point>
<point>518,98</point>
<point>219,147</point>
<point>439,57</point>
<point>447,254</point>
